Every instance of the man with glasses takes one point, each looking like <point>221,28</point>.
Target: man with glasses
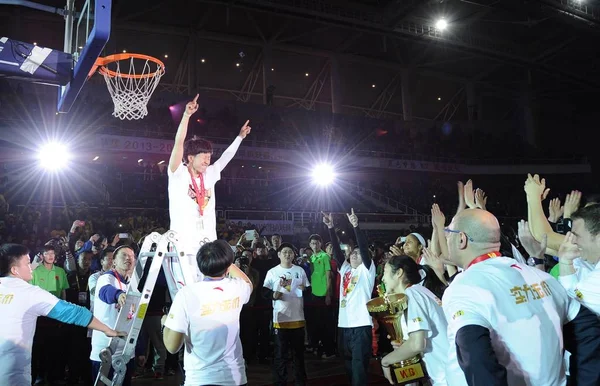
<point>507,321</point>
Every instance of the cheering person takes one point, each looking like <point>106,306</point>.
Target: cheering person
<point>354,322</point>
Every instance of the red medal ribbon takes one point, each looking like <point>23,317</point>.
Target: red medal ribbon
<point>484,257</point>
<point>346,282</point>
<point>200,193</point>
<point>118,280</point>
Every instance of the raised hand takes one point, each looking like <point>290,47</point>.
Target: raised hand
<point>353,218</point>
<point>469,195</point>
<point>435,262</point>
<point>533,247</point>
<point>328,220</point>
<point>572,203</point>
<point>437,217</point>
<point>480,199</point>
<point>395,250</point>
<point>536,187</point>
<point>191,107</point>
<point>555,210</point>
<point>245,130</point>
<point>461,197</point>
<point>569,250</point>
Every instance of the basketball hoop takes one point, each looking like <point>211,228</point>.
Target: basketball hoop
<point>129,89</point>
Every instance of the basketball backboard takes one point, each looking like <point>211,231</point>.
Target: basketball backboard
<point>87,31</point>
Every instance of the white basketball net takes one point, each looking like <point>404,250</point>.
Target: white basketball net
<point>130,95</point>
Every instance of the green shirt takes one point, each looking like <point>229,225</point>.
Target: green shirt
<point>53,280</point>
<point>555,271</point>
<point>321,266</point>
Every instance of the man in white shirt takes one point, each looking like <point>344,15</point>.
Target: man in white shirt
<point>506,319</point>
<point>21,304</point>
<point>354,322</point>
<point>284,284</point>
<point>191,184</point>
<point>111,294</point>
<point>579,258</point>
<point>206,317</point>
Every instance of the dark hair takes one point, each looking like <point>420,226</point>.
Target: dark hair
<point>194,146</point>
<point>106,251</point>
<point>590,216</point>
<point>49,247</point>
<point>315,237</point>
<point>214,258</point>
<point>276,235</point>
<point>412,276</point>
<point>116,251</point>
<point>287,245</point>
<point>9,255</point>
<point>259,245</point>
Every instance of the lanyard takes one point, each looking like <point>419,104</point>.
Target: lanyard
<point>200,193</point>
<point>118,280</point>
<point>483,257</point>
<point>79,285</point>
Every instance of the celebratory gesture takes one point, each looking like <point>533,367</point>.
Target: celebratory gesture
<point>192,179</point>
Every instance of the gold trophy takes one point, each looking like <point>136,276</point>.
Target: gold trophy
<point>388,310</point>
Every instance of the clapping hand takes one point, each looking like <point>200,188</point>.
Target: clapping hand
<point>480,199</point>
<point>572,203</point>
<point>555,210</point>
<point>469,195</point>
<point>437,217</point>
<point>533,247</point>
<point>536,187</point>
<point>435,262</point>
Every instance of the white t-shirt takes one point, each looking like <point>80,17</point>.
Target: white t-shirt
<point>192,228</point>
<point>20,305</point>
<point>356,287</point>
<point>523,308</point>
<point>584,284</point>
<point>425,313</point>
<point>106,313</point>
<point>208,314</point>
<point>92,283</point>
<point>288,312</point>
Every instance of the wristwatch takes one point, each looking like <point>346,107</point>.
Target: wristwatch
<point>533,261</point>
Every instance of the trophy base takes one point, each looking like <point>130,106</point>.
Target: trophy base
<point>408,371</point>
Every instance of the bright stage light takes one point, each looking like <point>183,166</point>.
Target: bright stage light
<point>54,156</point>
<point>441,24</point>
<point>323,174</point>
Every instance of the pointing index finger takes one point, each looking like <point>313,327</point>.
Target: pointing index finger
<point>196,98</point>
<point>246,124</point>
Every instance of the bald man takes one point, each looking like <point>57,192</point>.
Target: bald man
<point>506,320</point>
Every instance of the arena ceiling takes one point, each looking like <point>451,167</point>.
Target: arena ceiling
<point>544,51</point>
